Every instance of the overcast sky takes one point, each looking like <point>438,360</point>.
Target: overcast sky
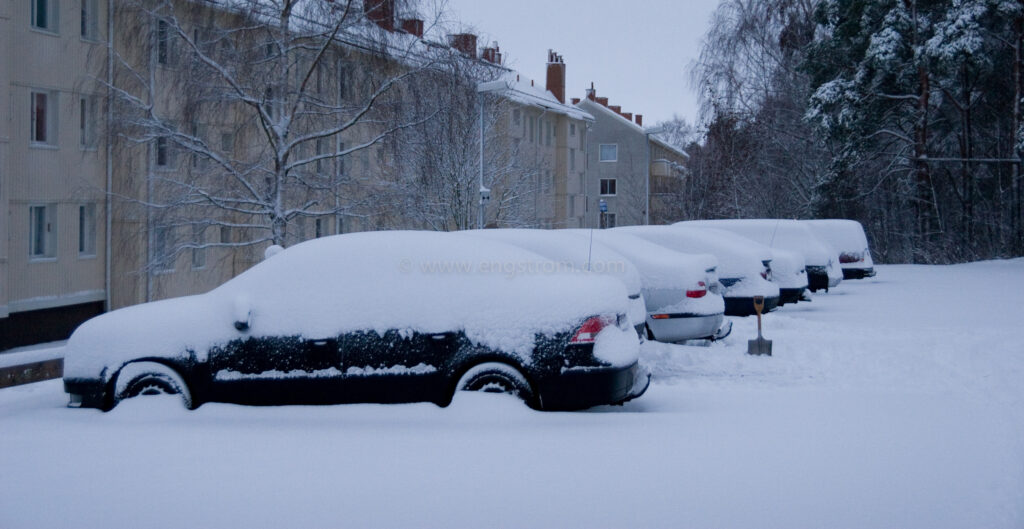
<point>637,53</point>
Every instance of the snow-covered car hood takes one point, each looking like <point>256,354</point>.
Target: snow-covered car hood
<point>737,257</point>
<point>419,281</point>
<point>775,233</point>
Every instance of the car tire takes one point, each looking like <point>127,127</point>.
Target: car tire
<point>150,378</point>
<point>496,377</point>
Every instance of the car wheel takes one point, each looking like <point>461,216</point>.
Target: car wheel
<point>150,378</point>
<point>496,377</point>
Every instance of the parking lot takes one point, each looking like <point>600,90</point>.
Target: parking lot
<point>889,402</point>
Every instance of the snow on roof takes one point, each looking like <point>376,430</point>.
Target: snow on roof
<point>515,88</point>
<point>637,128</point>
<point>418,281</point>
<point>844,235</point>
<point>659,267</point>
<point>776,233</point>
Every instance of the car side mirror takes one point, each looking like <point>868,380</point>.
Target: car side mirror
<point>242,314</point>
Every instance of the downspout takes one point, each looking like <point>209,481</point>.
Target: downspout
<point>108,203</point>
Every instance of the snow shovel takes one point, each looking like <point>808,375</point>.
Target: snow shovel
<point>760,346</point>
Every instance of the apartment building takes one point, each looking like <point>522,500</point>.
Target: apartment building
<point>632,175</point>
<point>52,168</point>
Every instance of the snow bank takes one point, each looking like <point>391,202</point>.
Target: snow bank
<point>422,281</point>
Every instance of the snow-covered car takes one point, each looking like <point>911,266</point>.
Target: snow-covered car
<point>567,252</point>
<point>822,261</point>
<point>744,267</point>
<point>789,271</point>
<point>677,287</point>
<point>848,238</point>
<point>370,317</point>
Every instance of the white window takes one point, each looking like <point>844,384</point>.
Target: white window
<point>608,186</point>
<point>572,129</point>
<point>44,15</point>
<point>87,118</point>
<point>199,241</point>
<point>43,128</point>
<point>87,230</point>
<point>609,152</point>
<point>90,20</point>
<point>572,159</point>
<point>42,232</point>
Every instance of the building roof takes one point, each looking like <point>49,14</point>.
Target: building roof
<point>513,87</point>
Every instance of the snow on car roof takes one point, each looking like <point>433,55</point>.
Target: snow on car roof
<point>842,234</point>
<point>571,250</point>
<point>737,256</point>
<point>775,233</point>
<point>500,295</point>
<point>659,267</point>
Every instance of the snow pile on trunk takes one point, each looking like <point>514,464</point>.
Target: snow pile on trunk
<point>421,281</point>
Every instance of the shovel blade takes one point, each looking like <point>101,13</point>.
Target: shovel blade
<point>759,346</point>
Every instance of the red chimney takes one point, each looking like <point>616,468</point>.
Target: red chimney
<point>602,101</point>
<point>628,115</point>
<point>413,26</point>
<point>381,12</point>
<point>556,76</point>
<point>492,54</point>
<point>640,119</point>
<point>464,42</point>
<point>616,108</point>
<point>575,100</point>
<point>591,92</point>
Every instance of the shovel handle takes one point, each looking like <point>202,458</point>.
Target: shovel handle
<point>758,304</point>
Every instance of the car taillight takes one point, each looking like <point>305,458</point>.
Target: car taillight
<point>700,292</point>
<point>587,332</point>
<point>851,257</point>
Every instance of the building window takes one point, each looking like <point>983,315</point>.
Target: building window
<point>42,232</point>
<point>90,20</point>
<point>572,159</point>
<point>163,156</point>
<point>162,261</point>
<point>342,81</point>
<point>44,118</point>
<point>199,243</point>
<point>163,43</point>
<point>320,151</point>
<point>609,152</point>
<point>608,186</point>
<point>225,234</point>
<point>87,117</point>
<point>572,129</point>
<point>44,15</point>
<point>87,230</point>
<point>531,129</point>
<point>548,127</point>
<point>607,220</point>
<point>318,229</point>
<point>517,117</point>
<point>571,206</point>
<point>227,143</point>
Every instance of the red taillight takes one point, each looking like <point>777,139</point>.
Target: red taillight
<point>587,332</point>
<point>698,293</point>
<point>764,275</point>
<point>851,257</point>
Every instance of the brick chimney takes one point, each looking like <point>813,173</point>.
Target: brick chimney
<point>603,101</point>
<point>464,42</point>
<point>575,100</point>
<point>592,92</point>
<point>380,12</point>
<point>556,76</point>
<point>492,54</point>
<point>616,108</point>
<point>413,26</point>
<point>640,119</point>
<point>628,115</point>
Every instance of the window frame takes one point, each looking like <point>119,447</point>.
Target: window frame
<point>50,118</point>
<point>49,233</point>
<point>601,152</point>
<point>198,258</point>
<point>612,187</point>
<point>162,262</point>
<point>52,16</point>
<point>90,22</point>
<point>87,230</point>
<point>88,106</point>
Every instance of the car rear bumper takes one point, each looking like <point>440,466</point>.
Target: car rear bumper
<point>790,295</point>
<point>858,273</point>
<point>585,387</point>
<point>680,327</point>
<point>744,306</point>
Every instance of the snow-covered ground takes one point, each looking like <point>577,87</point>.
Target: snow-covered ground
<point>896,401</point>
